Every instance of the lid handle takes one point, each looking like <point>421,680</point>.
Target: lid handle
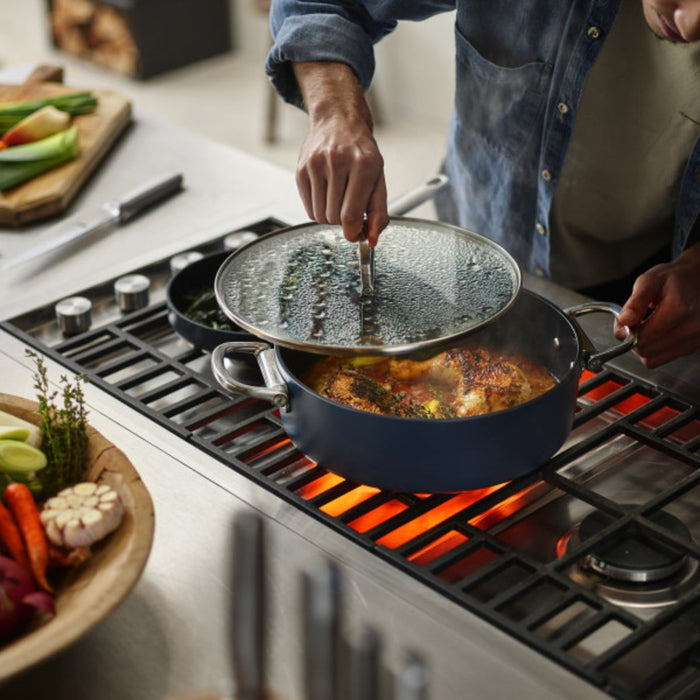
<point>397,207</point>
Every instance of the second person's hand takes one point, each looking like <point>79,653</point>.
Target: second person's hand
<point>664,308</point>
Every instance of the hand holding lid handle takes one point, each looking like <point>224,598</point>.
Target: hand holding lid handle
<point>397,207</point>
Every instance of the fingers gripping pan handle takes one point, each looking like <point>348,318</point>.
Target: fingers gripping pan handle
<point>593,358</point>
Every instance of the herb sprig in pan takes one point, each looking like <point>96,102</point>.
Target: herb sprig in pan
<point>63,429</point>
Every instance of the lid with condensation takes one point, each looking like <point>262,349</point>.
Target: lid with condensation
<point>301,287</point>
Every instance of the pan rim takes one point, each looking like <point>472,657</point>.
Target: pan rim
<point>397,349</point>
<point>574,369</point>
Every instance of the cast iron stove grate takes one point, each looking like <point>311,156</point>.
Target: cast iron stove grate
<point>628,478</point>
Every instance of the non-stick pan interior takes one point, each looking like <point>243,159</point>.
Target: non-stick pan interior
<point>190,283</point>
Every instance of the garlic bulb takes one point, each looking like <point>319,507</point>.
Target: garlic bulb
<point>81,515</point>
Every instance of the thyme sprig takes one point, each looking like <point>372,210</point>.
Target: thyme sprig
<point>63,429</point>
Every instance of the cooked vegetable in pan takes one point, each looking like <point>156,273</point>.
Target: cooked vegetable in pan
<point>203,308</point>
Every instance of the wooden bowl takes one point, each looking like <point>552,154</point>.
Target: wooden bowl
<point>89,593</point>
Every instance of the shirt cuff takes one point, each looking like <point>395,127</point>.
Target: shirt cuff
<point>318,37</point>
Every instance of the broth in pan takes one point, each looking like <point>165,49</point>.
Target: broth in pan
<point>459,382</point>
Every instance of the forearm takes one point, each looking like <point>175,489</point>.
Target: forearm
<point>331,93</point>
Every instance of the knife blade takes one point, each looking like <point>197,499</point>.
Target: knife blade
<point>109,215</point>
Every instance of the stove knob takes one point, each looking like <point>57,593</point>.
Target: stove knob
<point>238,239</point>
<point>182,260</point>
<point>73,315</point>
<point>131,292</point>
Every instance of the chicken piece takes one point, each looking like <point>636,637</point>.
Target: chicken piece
<point>352,388</point>
<point>489,383</point>
<point>482,380</point>
<point>441,368</point>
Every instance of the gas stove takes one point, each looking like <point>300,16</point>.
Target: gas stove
<point>593,559</point>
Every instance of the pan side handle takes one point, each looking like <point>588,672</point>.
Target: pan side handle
<point>594,359</point>
<point>415,197</point>
<point>275,389</point>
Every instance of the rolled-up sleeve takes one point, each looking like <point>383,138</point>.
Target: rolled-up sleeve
<point>321,31</point>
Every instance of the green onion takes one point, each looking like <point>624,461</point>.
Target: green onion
<point>77,103</point>
<point>21,163</point>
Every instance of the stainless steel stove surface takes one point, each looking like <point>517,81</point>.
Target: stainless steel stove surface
<point>593,559</point>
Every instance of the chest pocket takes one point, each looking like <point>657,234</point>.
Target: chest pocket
<point>498,106</point>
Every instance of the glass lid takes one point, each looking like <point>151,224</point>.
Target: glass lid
<point>302,287</point>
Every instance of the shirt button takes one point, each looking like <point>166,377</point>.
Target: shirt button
<point>540,228</point>
<point>593,32</point>
<point>563,108</point>
<point>546,175</point>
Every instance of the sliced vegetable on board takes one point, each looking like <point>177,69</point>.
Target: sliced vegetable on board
<point>38,125</point>
<point>21,163</point>
<point>76,103</point>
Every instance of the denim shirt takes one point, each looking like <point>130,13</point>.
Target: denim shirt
<point>520,70</point>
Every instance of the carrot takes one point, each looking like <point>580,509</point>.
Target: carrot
<point>12,539</point>
<point>21,503</point>
<point>3,145</point>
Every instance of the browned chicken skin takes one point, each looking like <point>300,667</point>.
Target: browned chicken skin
<point>464,381</point>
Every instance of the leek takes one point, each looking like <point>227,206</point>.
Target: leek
<point>20,458</point>
<point>12,113</point>
<point>21,163</point>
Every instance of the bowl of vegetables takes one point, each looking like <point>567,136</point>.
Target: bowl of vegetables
<point>75,531</point>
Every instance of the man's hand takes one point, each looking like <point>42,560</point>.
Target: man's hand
<point>672,293</point>
<point>340,172</point>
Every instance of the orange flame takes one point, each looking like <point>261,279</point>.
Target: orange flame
<point>434,517</point>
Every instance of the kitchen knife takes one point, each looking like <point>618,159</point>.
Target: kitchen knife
<point>412,679</point>
<point>365,673</point>
<point>110,214</point>
<point>249,606</point>
<point>321,609</point>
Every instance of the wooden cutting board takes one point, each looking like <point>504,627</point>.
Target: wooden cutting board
<point>51,192</point>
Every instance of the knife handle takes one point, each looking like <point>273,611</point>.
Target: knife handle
<point>144,196</point>
<point>249,606</point>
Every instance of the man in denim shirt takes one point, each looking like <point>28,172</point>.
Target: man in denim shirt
<point>574,143</point>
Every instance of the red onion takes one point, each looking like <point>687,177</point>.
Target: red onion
<point>19,598</point>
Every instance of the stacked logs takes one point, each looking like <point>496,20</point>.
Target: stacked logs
<point>95,31</point>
